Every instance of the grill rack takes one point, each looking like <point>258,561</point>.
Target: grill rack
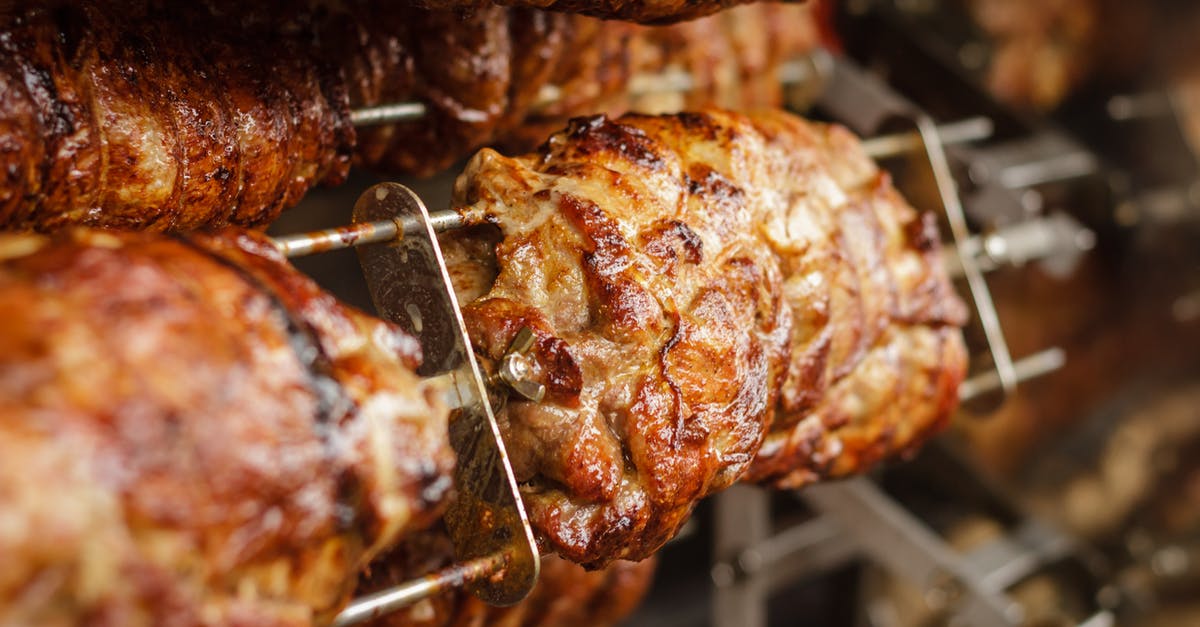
<point>391,220</point>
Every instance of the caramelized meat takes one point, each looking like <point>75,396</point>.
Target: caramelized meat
<point>646,11</point>
<point>112,120</point>
<point>139,114</point>
<point>484,75</point>
<point>713,295</point>
<point>730,60</point>
<point>191,432</point>
<point>566,595</point>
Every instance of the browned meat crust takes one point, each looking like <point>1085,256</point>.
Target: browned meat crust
<point>130,114</point>
<point>645,11</point>
<point>480,73</point>
<point>701,285</point>
<point>192,433</point>
<point>731,59</point>
<point>160,116</point>
<point>566,595</point>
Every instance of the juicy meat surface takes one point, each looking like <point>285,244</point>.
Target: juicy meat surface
<point>646,11</point>
<point>566,595</point>
<point>139,114</point>
<point>713,295</point>
<point>192,433</point>
<point>133,115</point>
<point>730,60</point>
<point>482,74</point>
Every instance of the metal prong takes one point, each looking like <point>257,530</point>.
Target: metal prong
<point>388,601</point>
<point>387,114</point>
<point>964,131</point>
<point>514,368</point>
<point>301,244</point>
<point>1024,369</point>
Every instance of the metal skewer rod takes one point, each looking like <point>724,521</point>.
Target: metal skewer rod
<point>301,244</point>
<point>387,601</point>
<point>951,134</point>
<point>337,238</point>
<point>1024,369</point>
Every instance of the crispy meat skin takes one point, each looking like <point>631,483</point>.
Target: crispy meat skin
<point>108,119</point>
<point>566,595</point>
<point>700,286</point>
<point>116,123</point>
<point>192,433</point>
<point>480,72</point>
<point>646,11</point>
<point>732,59</point>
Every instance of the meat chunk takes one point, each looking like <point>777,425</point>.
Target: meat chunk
<point>646,11</point>
<point>713,294</point>
<point>115,123</point>
<point>108,120</point>
<point>191,432</point>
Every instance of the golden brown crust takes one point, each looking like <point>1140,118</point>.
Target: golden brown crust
<point>731,59</point>
<point>162,117</point>
<point>645,11</point>
<point>139,114</point>
<point>192,433</point>
<point>697,283</point>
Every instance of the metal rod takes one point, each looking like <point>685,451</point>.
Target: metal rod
<point>984,307</point>
<point>388,601</point>
<point>387,114</point>
<point>1024,369</point>
<point>951,134</point>
<point>301,244</point>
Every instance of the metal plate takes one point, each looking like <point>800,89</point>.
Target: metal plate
<point>411,287</point>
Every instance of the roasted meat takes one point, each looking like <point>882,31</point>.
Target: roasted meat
<point>646,11</point>
<point>566,595</point>
<point>700,285</point>
<point>730,60</point>
<point>192,433</point>
<point>138,114</point>
<point>1042,52</point>
<point>133,115</point>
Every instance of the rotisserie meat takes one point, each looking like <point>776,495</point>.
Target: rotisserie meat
<point>700,285</point>
<point>566,595</point>
<point>191,432</point>
<point>132,114</point>
<point>646,11</point>
<point>127,115</point>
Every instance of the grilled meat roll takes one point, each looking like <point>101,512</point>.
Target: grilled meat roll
<point>645,11</point>
<point>566,595</point>
<point>730,60</point>
<point>191,432</point>
<point>480,73</point>
<point>140,114</point>
<point>700,285</point>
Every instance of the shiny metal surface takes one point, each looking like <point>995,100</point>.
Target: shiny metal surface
<point>411,287</point>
